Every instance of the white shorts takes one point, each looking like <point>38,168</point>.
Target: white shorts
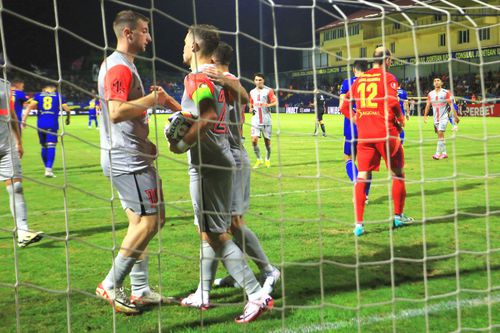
<point>241,182</point>
<point>211,196</point>
<point>262,130</point>
<point>10,165</point>
<point>441,124</point>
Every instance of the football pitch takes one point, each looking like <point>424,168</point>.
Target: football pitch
<point>441,274</point>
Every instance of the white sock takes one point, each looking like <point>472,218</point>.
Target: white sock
<point>18,206</point>
<point>139,277</point>
<point>249,243</point>
<point>208,269</point>
<point>121,268</point>
<point>236,265</point>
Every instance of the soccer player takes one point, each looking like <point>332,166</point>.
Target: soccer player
<point>320,110</point>
<point>243,236</point>
<point>403,103</point>
<point>11,151</point>
<point>350,129</point>
<point>379,119</point>
<point>48,103</point>
<point>262,99</point>
<point>93,109</point>
<point>19,98</point>
<point>440,99</point>
<point>211,166</point>
<point>127,158</point>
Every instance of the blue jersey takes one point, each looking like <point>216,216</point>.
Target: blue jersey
<point>350,129</point>
<point>402,97</point>
<point>93,105</point>
<point>48,109</point>
<point>18,98</point>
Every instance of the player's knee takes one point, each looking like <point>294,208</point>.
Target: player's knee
<point>18,187</point>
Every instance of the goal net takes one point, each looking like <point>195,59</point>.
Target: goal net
<point>439,274</point>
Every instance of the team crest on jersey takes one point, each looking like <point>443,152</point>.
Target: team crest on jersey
<point>394,85</point>
<point>117,86</point>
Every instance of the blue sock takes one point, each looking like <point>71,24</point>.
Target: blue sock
<point>44,155</point>
<point>51,155</point>
<point>352,170</point>
<point>368,184</point>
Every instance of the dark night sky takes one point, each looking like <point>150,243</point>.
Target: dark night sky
<point>28,44</point>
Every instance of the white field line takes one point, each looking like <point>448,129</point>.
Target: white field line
<point>59,211</point>
<point>404,314</point>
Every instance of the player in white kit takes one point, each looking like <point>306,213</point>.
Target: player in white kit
<point>262,99</point>
<point>441,101</point>
<point>11,151</point>
<point>127,158</point>
<point>243,236</point>
<point>211,166</point>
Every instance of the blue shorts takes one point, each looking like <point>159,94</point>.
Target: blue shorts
<point>350,146</point>
<point>47,135</point>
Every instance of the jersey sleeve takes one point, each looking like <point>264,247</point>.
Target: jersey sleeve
<point>22,97</point>
<point>344,108</point>
<point>199,87</point>
<point>392,93</point>
<point>271,97</point>
<point>63,100</point>
<point>449,97</point>
<point>344,88</point>
<point>117,83</point>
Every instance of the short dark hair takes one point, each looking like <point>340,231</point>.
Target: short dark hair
<point>223,54</point>
<point>259,75</point>
<point>17,80</point>
<point>380,55</point>
<point>360,65</point>
<point>206,36</point>
<point>127,18</point>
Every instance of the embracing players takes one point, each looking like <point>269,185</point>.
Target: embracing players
<point>379,120</point>
<point>48,103</point>
<point>127,158</point>
<point>442,103</point>
<point>262,99</point>
<point>11,151</point>
<point>211,166</point>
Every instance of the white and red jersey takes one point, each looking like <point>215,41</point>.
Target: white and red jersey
<point>440,100</point>
<point>260,98</point>
<point>125,147</point>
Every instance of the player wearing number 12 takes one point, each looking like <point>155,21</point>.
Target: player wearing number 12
<point>379,120</point>
<point>48,102</point>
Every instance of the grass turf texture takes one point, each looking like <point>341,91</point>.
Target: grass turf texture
<point>301,209</point>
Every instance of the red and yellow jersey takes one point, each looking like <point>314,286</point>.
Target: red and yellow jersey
<point>377,106</point>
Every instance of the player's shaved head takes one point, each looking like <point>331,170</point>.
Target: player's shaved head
<point>381,54</point>
<point>223,54</point>
<point>127,19</point>
<point>360,65</point>
<point>206,37</point>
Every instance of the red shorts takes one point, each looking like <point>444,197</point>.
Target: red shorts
<point>369,154</point>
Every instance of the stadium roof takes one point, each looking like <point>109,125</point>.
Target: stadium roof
<point>370,12</point>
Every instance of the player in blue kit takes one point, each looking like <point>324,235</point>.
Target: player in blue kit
<point>93,109</point>
<point>48,103</point>
<point>350,129</point>
<point>18,97</point>
<point>403,102</point>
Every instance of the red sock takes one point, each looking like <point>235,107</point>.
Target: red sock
<point>399,194</point>
<point>360,198</point>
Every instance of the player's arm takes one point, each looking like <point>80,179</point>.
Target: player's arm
<point>117,84</point>
<point>393,100</point>
<point>32,105</point>
<point>427,108</point>
<point>406,105</point>
<point>17,133</point>
<point>449,100</point>
<point>272,98</point>
<point>201,92</point>
<point>345,107</point>
<point>232,85</point>
<point>68,112</point>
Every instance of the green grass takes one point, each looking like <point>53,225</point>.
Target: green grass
<point>301,208</point>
